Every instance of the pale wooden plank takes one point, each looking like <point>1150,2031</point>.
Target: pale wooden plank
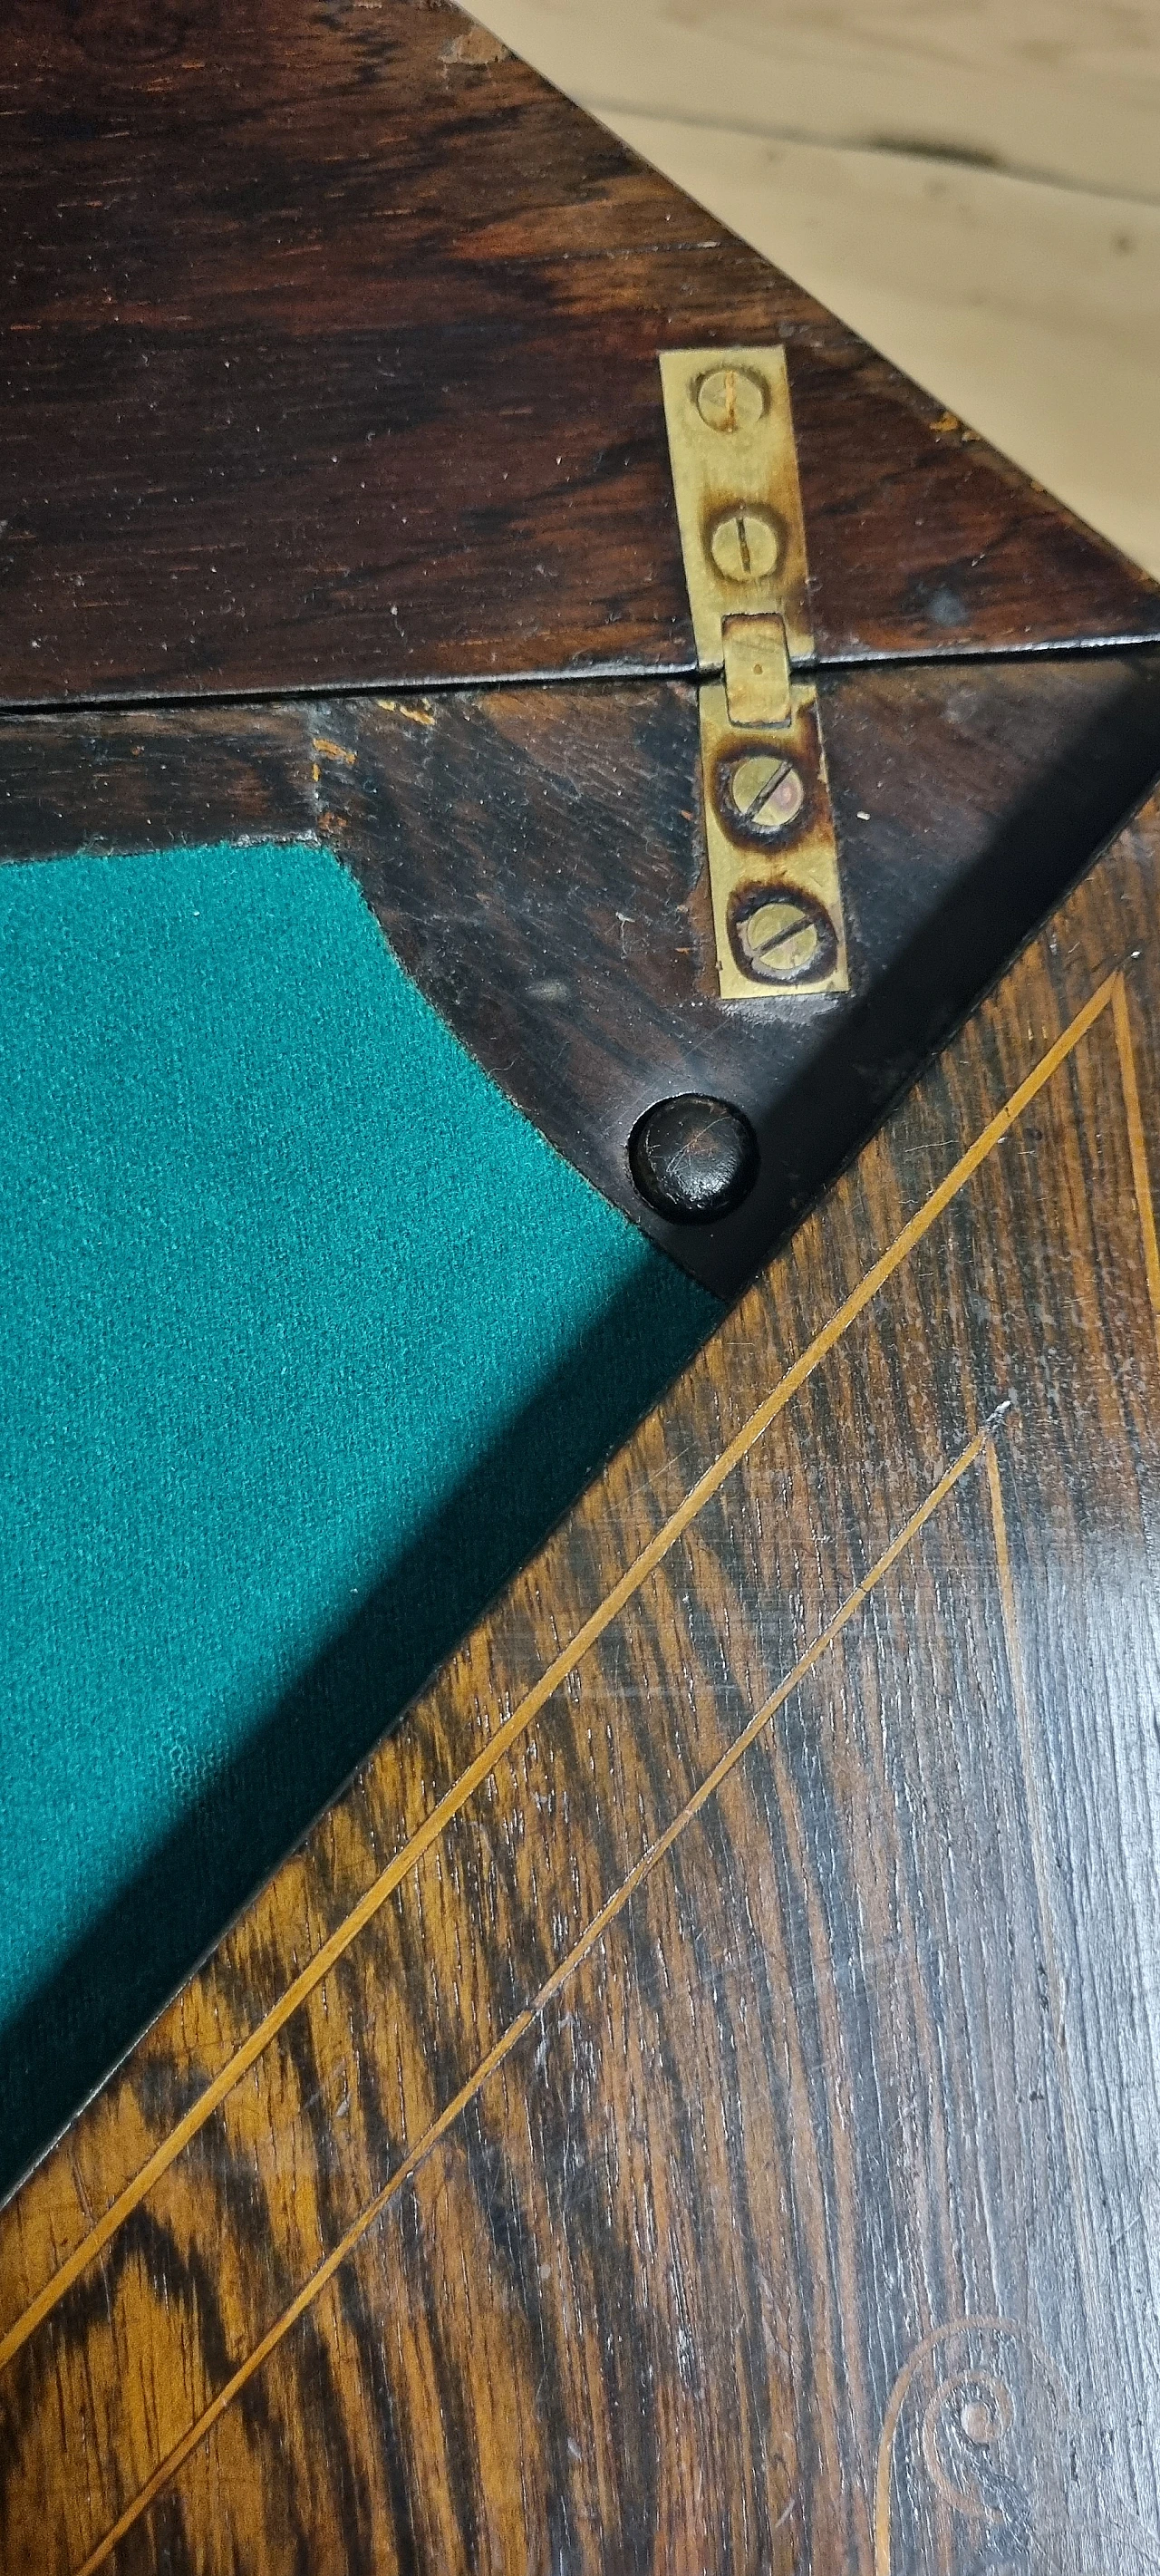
<point>1030,307</point>
<point>1069,89</point>
<point>1032,312</point>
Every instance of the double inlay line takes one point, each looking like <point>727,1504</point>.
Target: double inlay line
<point>523,2022</point>
<point>511,1728</point>
<point>1111,992</point>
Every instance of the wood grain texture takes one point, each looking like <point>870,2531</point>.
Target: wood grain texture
<point>975,190</point>
<point>536,858</point>
<point>1066,89</point>
<point>1031,310</point>
<point>331,352</point>
<point>694,2101</point>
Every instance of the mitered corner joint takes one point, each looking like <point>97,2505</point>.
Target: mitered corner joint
<point>773,856</point>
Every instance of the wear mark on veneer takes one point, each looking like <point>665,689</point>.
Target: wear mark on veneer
<point>1037,1835</point>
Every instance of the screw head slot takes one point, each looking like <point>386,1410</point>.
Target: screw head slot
<point>765,791</point>
<point>782,936</point>
<point>731,398</point>
<point>745,543</point>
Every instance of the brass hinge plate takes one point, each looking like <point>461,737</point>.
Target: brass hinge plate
<point>773,857</point>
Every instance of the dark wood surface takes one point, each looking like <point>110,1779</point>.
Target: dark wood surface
<point>330,340</point>
<point>536,858</point>
<point>694,2103</point>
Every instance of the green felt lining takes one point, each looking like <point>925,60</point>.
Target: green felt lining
<point>308,1337</point>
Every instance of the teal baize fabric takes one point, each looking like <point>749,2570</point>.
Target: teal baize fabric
<point>307,1339</point>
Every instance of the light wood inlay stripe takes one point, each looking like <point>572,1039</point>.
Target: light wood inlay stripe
<point>1141,1180</point>
<point>521,1717</point>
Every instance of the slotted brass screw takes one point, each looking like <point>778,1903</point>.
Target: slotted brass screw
<point>744,544</point>
<point>766,790</point>
<point>778,940</point>
<point>731,398</point>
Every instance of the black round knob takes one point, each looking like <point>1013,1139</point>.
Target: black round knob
<point>693,1159</point>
